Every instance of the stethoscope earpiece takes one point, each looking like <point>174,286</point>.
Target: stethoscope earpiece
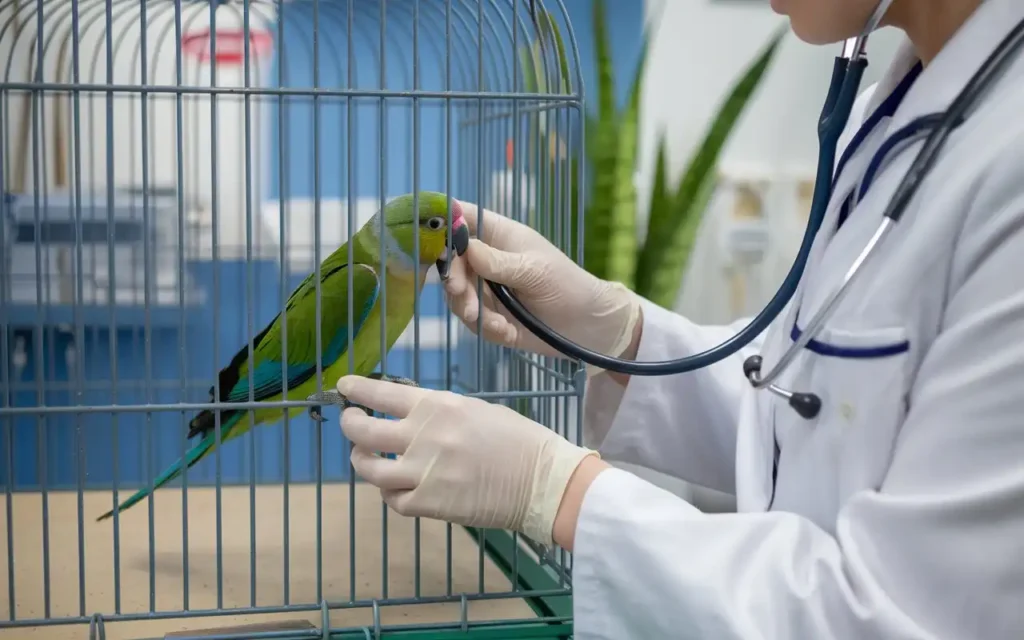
<point>752,367</point>
<point>807,405</point>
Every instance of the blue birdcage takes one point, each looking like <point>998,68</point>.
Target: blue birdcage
<point>174,170</point>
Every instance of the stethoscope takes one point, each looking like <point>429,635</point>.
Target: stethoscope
<point>843,89</point>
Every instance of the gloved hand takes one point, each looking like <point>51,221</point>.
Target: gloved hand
<point>593,313</point>
<point>462,459</point>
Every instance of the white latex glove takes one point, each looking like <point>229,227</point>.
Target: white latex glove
<point>461,459</point>
<point>593,313</point>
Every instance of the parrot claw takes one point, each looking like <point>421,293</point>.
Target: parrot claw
<point>316,412</point>
<point>333,397</point>
<point>316,415</point>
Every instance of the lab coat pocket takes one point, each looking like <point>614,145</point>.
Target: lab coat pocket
<point>862,379</point>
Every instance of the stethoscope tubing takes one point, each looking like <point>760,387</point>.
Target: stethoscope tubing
<point>838,104</point>
<point>835,114</point>
<point>818,320</point>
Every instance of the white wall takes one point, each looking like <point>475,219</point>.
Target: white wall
<point>699,50</point>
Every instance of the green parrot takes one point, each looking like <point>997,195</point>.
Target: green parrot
<point>402,275</point>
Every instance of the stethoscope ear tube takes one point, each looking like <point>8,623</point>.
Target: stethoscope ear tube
<point>982,80</point>
<point>836,112</point>
<point>846,77</point>
<point>752,370</point>
<point>807,404</point>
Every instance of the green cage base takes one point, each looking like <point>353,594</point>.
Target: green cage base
<point>489,631</point>
<point>531,575</point>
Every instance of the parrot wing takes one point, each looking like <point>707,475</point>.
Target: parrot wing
<point>267,378</point>
<point>268,375</point>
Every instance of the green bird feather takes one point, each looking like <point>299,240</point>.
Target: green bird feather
<point>380,255</point>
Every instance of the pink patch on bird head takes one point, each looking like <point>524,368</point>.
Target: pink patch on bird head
<point>457,219</point>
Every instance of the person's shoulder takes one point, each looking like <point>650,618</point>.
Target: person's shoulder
<point>994,146</point>
<point>1000,113</point>
<point>990,185</point>
<point>981,182</point>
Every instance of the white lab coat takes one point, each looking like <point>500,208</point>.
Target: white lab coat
<point>899,511</point>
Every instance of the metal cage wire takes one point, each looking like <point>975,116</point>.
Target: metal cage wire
<point>171,171</point>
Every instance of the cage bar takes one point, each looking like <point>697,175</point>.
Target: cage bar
<point>171,172</point>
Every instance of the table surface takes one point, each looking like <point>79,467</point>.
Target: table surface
<point>236,555</point>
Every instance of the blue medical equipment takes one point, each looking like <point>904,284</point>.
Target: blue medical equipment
<point>843,89</point>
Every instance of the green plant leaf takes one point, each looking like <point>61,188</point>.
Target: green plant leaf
<point>672,229</point>
<point>527,63</point>
<point>659,207</point>
<point>622,243</point>
<point>549,33</point>
<point>603,152</point>
<point>606,108</point>
<point>534,81</point>
<point>551,179</point>
<point>546,64</point>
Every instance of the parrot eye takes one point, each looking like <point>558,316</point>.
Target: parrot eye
<point>435,223</point>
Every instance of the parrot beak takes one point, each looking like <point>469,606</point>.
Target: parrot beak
<point>460,242</point>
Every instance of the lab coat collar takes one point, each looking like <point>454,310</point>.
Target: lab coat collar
<point>942,80</point>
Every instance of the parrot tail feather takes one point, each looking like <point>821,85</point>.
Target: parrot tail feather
<point>194,455</point>
<point>205,422</point>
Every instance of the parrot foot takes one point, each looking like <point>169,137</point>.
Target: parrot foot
<point>327,397</point>
<point>333,397</point>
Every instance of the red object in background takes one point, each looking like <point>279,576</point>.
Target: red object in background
<point>509,154</point>
<point>230,45</point>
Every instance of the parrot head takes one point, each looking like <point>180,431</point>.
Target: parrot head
<point>401,220</point>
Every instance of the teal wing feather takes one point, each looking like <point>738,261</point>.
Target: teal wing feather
<point>268,375</point>
<point>300,310</point>
<point>334,334</point>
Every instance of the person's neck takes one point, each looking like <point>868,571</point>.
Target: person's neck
<point>930,24</point>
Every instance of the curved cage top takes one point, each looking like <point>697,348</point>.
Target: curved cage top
<point>452,48</point>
